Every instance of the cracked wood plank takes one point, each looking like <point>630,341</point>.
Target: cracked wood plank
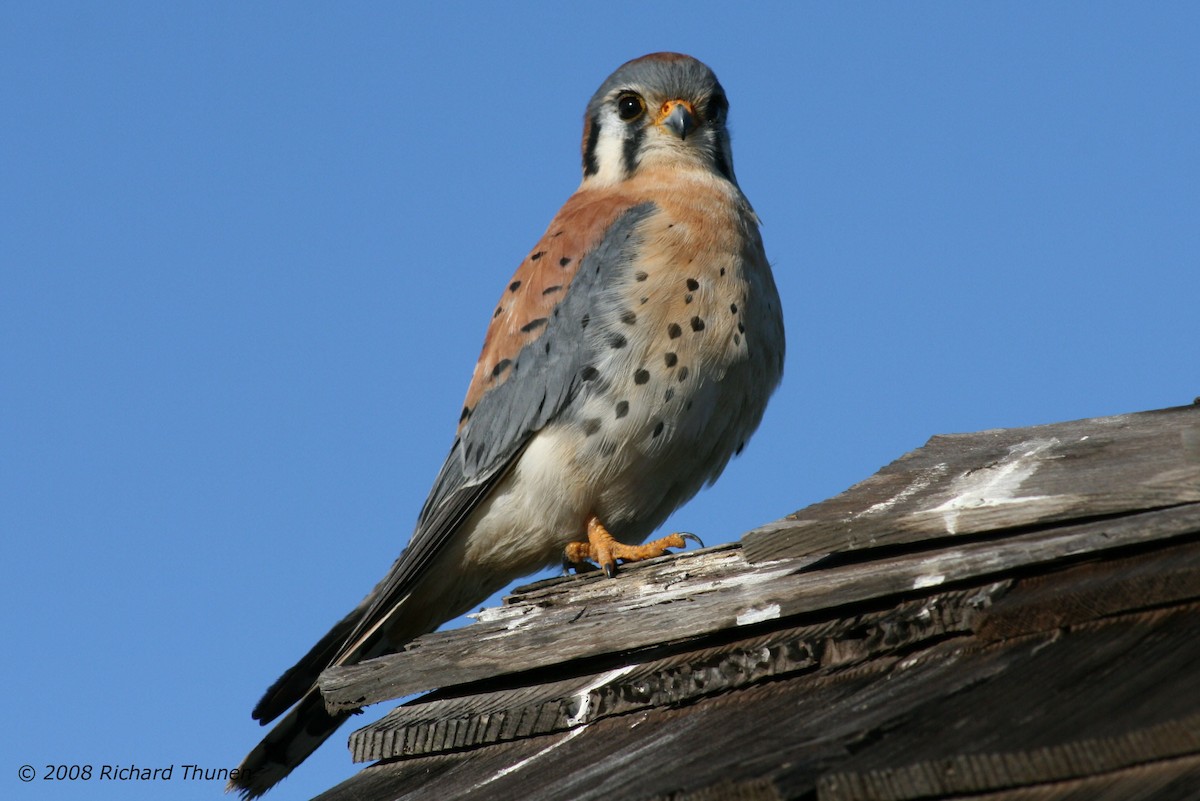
<point>432,724</point>
<point>1005,609</point>
<point>690,595</point>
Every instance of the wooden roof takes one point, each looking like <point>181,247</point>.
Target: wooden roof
<point>1011,614</point>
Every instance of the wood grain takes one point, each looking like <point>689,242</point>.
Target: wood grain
<point>698,594</point>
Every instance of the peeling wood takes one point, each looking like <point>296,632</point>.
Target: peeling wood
<point>699,594</point>
<point>434,724</point>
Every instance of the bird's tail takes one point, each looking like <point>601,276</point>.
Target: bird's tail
<point>287,745</point>
<point>376,627</point>
<point>307,725</point>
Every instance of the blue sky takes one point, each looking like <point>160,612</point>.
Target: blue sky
<point>249,250</point>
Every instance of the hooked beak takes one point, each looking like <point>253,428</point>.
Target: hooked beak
<point>679,117</point>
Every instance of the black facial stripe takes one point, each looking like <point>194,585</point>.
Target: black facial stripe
<point>590,166</point>
<point>632,149</point>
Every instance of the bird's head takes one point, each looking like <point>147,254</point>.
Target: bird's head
<point>661,110</point>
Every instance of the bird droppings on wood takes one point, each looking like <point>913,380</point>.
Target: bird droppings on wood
<point>758,615</point>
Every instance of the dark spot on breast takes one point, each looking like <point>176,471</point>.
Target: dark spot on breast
<point>645,301</point>
<point>589,373</point>
<point>658,429</point>
<point>500,367</point>
<point>616,341</point>
<point>550,290</point>
<point>741,328</point>
<point>697,324</point>
<point>498,312</point>
<point>558,233</point>
<point>687,298</point>
<point>514,286</point>
<point>693,284</point>
<point>547,346</point>
<point>622,409</point>
<point>670,359</point>
<point>466,412</point>
<point>673,330</point>
<point>641,376</point>
<point>564,261</point>
<point>640,276</point>
<point>536,256</point>
<point>533,325</point>
<point>670,393</point>
<point>683,373</point>
<point>628,317</point>
<point>722,271</point>
<point>591,426</point>
<point>737,339</point>
<point>583,323</point>
<point>608,448</point>
<point>733,308</point>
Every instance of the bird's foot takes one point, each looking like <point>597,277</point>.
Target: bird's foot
<point>602,549</point>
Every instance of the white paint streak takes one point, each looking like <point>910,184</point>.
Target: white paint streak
<point>996,484</point>
<point>655,593</point>
<point>922,481</point>
<point>513,617</point>
<point>500,774</point>
<point>758,615</point>
<point>583,700</point>
<point>928,581</point>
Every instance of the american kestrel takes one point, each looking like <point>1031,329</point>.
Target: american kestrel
<point>630,357</point>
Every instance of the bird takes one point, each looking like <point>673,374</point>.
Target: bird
<point>629,358</point>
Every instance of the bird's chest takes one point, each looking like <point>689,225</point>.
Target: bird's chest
<point>684,360</point>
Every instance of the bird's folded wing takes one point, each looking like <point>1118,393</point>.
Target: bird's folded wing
<point>534,366</point>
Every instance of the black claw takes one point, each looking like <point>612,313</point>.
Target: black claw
<point>579,567</point>
<point>610,569</point>
<point>692,537</point>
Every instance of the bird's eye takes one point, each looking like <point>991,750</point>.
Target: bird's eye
<point>630,107</point>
